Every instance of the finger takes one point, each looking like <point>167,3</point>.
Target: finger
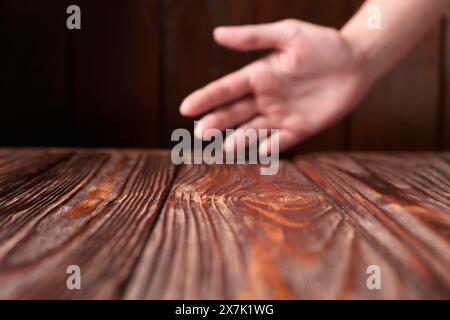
<point>280,141</point>
<point>226,89</point>
<point>251,37</point>
<point>231,142</point>
<point>227,117</point>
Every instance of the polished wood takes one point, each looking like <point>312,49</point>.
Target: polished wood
<point>141,228</point>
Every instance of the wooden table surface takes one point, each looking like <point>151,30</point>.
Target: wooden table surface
<point>140,227</point>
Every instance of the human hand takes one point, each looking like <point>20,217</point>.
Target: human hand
<point>311,79</point>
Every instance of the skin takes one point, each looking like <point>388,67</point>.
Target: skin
<point>314,76</point>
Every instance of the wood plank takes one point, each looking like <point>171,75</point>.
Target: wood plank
<point>93,209</point>
<point>33,73</point>
<point>227,232</point>
<point>399,203</point>
<point>116,74</point>
<point>231,242</point>
<point>223,231</point>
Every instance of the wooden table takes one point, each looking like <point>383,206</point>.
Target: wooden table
<point>139,227</point>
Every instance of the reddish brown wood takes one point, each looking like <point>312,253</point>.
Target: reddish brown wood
<point>236,235</point>
<point>91,209</point>
<point>400,204</point>
<point>140,228</point>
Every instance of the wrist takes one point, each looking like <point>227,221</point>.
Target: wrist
<point>366,60</point>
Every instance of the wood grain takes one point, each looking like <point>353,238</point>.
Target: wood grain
<point>139,228</point>
<point>227,232</point>
<point>400,204</point>
<point>90,209</point>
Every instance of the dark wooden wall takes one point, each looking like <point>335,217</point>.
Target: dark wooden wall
<point>119,81</point>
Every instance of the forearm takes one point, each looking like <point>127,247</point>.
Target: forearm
<point>403,24</point>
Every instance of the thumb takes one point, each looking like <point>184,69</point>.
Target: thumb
<point>252,37</point>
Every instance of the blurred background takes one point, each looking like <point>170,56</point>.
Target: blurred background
<point>118,82</point>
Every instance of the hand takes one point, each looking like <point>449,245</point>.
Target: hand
<point>311,79</point>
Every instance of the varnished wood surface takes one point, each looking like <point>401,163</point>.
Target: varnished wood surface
<point>141,228</point>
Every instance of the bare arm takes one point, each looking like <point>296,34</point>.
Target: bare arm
<point>314,76</point>
<point>404,23</point>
